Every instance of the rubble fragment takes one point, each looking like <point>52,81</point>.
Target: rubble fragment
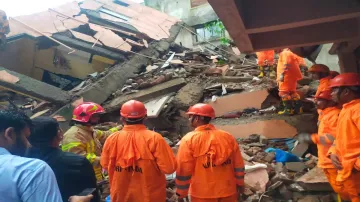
<point>295,166</point>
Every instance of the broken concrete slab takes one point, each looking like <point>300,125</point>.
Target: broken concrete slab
<point>270,126</point>
<point>314,180</point>
<point>100,91</point>
<point>188,96</point>
<point>36,89</point>
<point>300,149</point>
<point>257,180</point>
<point>155,106</point>
<point>295,166</point>
<point>146,94</point>
<point>239,102</point>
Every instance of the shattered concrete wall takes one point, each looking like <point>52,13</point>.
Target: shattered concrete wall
<point>76,64</point>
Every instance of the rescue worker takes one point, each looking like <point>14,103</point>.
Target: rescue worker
<point>266,62</point>
<point>346,156</point>
<point>322,73</point>
<point>325,137</point>
<point>137,159</point>
<point>288,73</point>
<point>82,139</point>
<point>209,161</point>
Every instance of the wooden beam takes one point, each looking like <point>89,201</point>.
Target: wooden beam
<point>231,17</point>
<point>265,13</point>
<point>87,47</point>
<point>330,32</point>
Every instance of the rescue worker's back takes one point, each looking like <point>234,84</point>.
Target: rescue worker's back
<point>137,160</point>
<point>213,160</point>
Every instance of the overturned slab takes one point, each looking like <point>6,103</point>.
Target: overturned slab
<point>314,180</point>
<point>239,102</point>
<point>36,89</point>
<point>147,94</point>
<point>270,126</point>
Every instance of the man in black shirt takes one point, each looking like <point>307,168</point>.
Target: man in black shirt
<point>73,173</point>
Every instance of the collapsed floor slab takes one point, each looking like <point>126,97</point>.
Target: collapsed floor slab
<point>270,126</point>
<point>239,102</point>
<point>36,89</point>
<point>116,78</point>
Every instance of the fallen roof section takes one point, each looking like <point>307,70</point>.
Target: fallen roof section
<point>34,88</point>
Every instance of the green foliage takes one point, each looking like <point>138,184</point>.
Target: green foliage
<point>219,28</point>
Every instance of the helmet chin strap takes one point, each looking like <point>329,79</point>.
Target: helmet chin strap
<point>134,121</point>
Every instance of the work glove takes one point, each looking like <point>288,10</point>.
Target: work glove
<point>304,138</point>
<point>335,161</point>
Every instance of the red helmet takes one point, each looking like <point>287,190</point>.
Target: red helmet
<point>84,111</point>
<point>202,110</point>
<point>133,110</point>
<point>333,74</point>
<point>345,79</point>
<point>319,68</point>
<point>326,95</point>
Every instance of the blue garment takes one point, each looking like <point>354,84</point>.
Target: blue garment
<point>26,180</point>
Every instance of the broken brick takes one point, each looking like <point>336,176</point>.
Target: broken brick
<point>295,166</point>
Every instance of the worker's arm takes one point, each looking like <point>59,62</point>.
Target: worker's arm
<point>103,135</point>
<point>356,120</point>
<point>105,154</point>
<point>239,166</point>
<point>185,169</point>
<point>75,144</point>
<point>164,155</point>
<point>315,138</point>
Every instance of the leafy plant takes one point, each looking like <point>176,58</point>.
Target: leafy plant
<point>218,28</point>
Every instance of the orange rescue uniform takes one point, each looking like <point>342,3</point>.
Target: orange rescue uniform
<point>347,147</point>
<point>267,56</point>
<point>210,165</point>
<point>288,73</point>
<point>137,160</point>
<point>324,140</point>
<point>323,85</point>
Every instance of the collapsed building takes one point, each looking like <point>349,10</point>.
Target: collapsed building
<point>110,52</point>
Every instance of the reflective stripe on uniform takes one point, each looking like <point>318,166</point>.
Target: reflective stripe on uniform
<point>183,178</point>
<point>114,129</point>
<point>239,177</point>
<point>67,147</point>
<point>330,137</point>
<point>183,187</point>
<point>239,169</point>
<point>91,157</point>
